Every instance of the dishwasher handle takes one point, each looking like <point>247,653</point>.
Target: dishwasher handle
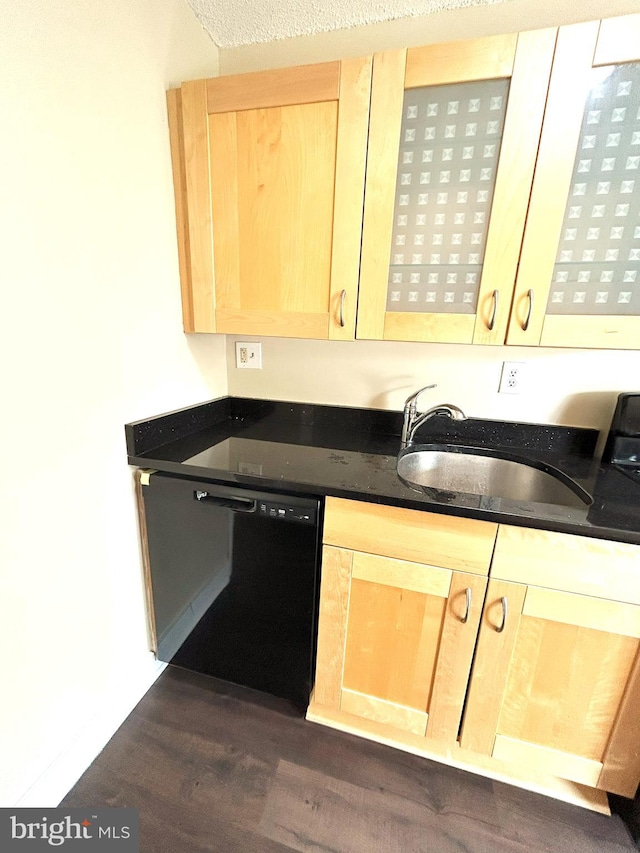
<point>235,504</point>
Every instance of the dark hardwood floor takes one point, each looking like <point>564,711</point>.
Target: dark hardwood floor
<point>213,767</point>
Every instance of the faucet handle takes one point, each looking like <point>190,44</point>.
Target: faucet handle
<point>412,400</point>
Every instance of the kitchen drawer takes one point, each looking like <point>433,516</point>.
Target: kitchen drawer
<point>461,544</point>
<point>569,563</point>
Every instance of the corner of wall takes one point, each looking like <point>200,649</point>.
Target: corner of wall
<point>61,775</point>
<point>203,56</point>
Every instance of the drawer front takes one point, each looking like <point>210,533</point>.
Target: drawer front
<point>562,561</point>
<point>462,544</point>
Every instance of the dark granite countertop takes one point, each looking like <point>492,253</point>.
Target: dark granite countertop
<point>351,453</point>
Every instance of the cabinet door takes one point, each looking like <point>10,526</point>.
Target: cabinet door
<point>555,685</point>
<point>453,137</point>
<point>579,277</point>
<point>396,640</point>
<point>269,177</point>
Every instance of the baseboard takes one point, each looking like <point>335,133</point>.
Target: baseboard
<point>453,756</point>
<point>64,771</point>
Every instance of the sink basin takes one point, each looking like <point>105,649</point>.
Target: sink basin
<point>492,473</point>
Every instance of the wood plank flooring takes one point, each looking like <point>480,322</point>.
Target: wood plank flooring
<point>213,767</point>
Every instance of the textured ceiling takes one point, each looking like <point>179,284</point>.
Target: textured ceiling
<point>232,23</point>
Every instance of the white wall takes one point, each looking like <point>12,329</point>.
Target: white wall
<point>90,338</point>
<point>571,387</point>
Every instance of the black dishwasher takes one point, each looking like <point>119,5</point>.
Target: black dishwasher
<point>234,577</point>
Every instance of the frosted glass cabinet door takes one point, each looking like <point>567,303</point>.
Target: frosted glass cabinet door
<point>579,277</point>
<point>453,137</point>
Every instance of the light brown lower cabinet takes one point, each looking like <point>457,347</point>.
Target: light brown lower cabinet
<point>556,685</point>
<point>514,680</point>
<point>407,634</point>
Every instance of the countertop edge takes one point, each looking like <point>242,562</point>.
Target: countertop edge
<point>420,504</point>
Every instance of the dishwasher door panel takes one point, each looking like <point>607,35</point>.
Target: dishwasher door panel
<point>234,581</point>
<point>190,555</point>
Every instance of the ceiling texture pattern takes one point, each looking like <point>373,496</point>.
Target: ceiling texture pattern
<point>245,22</point>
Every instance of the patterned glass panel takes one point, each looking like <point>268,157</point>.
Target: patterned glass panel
<point>449,148</point>
<point>598,261</point>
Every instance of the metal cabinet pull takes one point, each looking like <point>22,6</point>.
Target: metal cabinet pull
<point>343,296</point>
<point>494,311</point>
<point>525,325</point>
<point>468,607</point>
<point>505,611</point>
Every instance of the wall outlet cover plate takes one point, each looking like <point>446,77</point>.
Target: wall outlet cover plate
<point>248,355</point>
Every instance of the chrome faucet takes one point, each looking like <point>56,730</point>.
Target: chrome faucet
<point>414,419</point>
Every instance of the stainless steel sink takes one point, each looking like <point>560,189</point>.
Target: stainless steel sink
<point>480,471</point>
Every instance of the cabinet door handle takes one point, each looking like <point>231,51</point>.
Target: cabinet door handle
<point>467,592</point>
<point>343,296</point>
<point>505,611</point>
<point>525,325</point>
<point>494,311</point>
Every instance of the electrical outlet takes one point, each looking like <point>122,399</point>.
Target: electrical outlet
<point>513,377</point>
<point>248,356</point>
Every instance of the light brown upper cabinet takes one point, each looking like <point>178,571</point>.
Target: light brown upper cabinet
<point>269,181</point>
<point>500,203</point>
<point>453,138</point>
<point>578,282</point>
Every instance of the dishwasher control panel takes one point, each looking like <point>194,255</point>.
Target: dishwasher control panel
<point>287,512</point>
